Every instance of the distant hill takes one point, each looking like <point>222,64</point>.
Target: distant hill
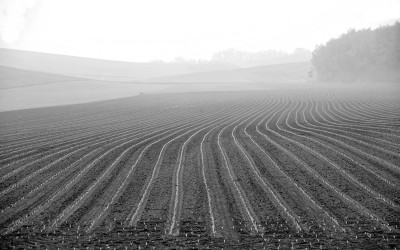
<point>22,89</point>
<point>289,72</point>
<point>244,59</point>
<point>15,78</point>
<point>98,69</point>
<point>31,80</point>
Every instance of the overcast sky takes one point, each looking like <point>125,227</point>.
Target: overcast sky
<point>142,30</point>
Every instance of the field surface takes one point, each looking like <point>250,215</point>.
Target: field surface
<point>306,168</point>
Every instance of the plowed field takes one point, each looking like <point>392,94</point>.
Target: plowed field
<point>305,168</point>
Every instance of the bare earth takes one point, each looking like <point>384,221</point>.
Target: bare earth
<point>280,168</point>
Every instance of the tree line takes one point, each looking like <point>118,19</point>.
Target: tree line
<point>360,55</point>
<point>247,59</point>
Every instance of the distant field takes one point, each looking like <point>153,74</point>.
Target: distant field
<point>34,80</point>
<point>11,78</point>
<point>98,69</point>
<point>25,89</point>
<point>71,92</point>
<point>302,168</point>
<point>279,73</point>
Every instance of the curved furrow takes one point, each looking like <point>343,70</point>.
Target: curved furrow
<point>110,136</point>
<point>146,126</point>
<point>80,141</point>
<point>40,208</point>
<point>227,215</point>
<point>62,114</point>
<point>377,108</point>
<point>19,203</point>
<point>114,122</point>
<point>355,117</point>
<point>81,119</point>
<point>120,121</point>
<point>347,149</point>
<point>371,135</point>
<point>332,220</point>
<point>16,156</point>
<point>337,115</point>
<point>40,170</point>
<point>61,140</point>
<point>373,113</point>
<point>251,156</point>
<point>359,207</point>
<point>230,217</point>
<point>331,163</point>
<point>58,132</point>
<point>135,214</point>
<point>176,198</point>
<point>293,172</point>
<point>367,140</point>
<point>345,155</point>
<point>35,173</point>
<point>152,205</point>
<point>328,116</point>
<point>13,183</point>
<point>341,119</point>
<point>386,106</point>
<point>206,185</point>
<point>336,118</point>
<point>80,174</point>
<point>234,168</point>
<point>106,133</point>
<point>98,111</point>
<point>248,212</point>
<point>332,136</point>
<point>282,173</point>
<point>267,186</point>
<point>124,183</point>
<point>114,187</point>
<point>35,202</point>
<point>139,209</point>
<point>37,210</point>
<point>172,222</point>
<point>261,198</point>
<point>134,218</point>
<point>105,109</point>
<point>352,118</point>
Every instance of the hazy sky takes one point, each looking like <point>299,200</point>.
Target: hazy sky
<point>142,30</point>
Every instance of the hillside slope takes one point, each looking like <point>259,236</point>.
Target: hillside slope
<point>22,89</point>
<point>290,72</point>
<point>96,68</point>
<point>16,78</point>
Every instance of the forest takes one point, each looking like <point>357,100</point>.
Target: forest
<point>360,55</point>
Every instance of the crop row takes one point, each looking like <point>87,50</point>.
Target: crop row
<point>237,166</point>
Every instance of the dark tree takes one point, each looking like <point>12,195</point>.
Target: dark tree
<point>360,55</point>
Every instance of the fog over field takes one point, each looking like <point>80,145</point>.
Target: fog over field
<point>32,79</point>
<point>181,124</point>
<point>140,49</point>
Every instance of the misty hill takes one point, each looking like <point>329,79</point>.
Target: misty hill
<point>22,89</point>
<point>16,78</point>
<point>261,58</point>
<point>289,72</point>
<point>98,69</point>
